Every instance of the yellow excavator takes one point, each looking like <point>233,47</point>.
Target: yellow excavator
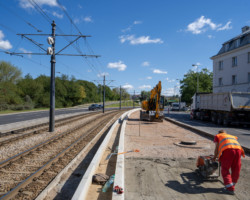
<point>152,109</point>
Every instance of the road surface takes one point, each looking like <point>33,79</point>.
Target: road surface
<point>243,133</point>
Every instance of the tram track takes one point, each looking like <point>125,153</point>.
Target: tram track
<point>41,163</point>
<point>22,142</point>
<point>17,134</point>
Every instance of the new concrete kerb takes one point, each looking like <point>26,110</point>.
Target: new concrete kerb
<point>83,187</point>
<point>119,171</point>
<point>211,136</point>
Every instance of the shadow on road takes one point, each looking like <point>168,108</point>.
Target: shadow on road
<point>192,184</point>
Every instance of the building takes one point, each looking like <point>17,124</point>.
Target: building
<point>231,66</point>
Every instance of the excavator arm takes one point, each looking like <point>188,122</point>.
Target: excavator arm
<point>153,104</point>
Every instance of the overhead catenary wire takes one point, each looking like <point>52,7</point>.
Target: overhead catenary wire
<point>47,18</point>
<point>20,17</point>
<point>41,11</point>
<point>72,22</point>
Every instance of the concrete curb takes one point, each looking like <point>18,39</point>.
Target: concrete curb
<point>201,132</point>
<point>82,189</point>
<point>119,171</point>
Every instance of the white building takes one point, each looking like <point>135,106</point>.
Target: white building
<point>231,66</point>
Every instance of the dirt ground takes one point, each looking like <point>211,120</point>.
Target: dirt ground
<point>163,169</point>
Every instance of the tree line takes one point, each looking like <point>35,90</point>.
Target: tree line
<point>188,86</point>
<point>19,93</point>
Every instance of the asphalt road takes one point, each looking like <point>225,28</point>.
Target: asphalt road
<point>18,117</point>
<point>25,116</point>
<point>243,133</point>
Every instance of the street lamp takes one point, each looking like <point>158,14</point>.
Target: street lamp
<point>179,97</point>
<point>197,89</point>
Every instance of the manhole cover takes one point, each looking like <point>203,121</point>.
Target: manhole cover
<point>188,142</point>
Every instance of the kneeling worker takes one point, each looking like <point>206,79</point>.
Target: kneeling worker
<point>229,152</point>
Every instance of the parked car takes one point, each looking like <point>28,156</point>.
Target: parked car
<point>94,107</point>
<point>100,106</point>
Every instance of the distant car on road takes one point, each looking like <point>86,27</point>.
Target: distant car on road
<point>94,107</point>
<point>100,106</point>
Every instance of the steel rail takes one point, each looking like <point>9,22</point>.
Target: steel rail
<point>13,192</point>
<point>44,127</point>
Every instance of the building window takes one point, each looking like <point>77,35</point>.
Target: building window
<point>248,57</point>
<point>226,47</point>
<point>220,82</point>
<point>234,80</point>
<point>237,43</point>
<point>234,61</point>
<point>220,65</point>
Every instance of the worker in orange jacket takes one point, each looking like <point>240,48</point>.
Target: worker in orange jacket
<point>229,152</point>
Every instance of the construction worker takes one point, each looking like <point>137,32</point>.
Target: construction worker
<point>229,152</point>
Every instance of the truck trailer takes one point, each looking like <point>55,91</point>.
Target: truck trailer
<point>222,108</point>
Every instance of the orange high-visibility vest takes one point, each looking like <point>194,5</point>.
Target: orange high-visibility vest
<point>227,141</point>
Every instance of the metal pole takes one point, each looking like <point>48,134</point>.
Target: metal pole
<point>197,90</point>
<point>134,100</point>
<point>120,97</point>
<point>103,94</point>
<point>52,83</point>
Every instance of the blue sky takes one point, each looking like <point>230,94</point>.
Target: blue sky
<point>140,42</point>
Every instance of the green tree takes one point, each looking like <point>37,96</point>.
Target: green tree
<point>145,95</point>
<point>43,97</point>
<point>9,73</point>
<point>188,85</point>
<point>29,86</point>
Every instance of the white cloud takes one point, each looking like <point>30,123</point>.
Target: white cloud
<point>170,80</point>
<point>199,25</point>
<point>226,27</point>
<point>149,77</point>
<point>168,92</point>
<point>79,6</point>
<point>89,70</point>
<point>127,86</point>
<point>87,19</point>
<point>81,19</point>
<point>145,64</point>
<point>158,71</point>
<point>117,65</point>
<point>127,29</point>
<point>60,16</point>
<point>196,66</point>
<point>4,44</point>
<point>210,36</point>
<point>27,4</point>
<point>103,74</point>
<point>140,40</point>
<point>131,26</point>
<point>25,51</point>
<point>203,24</point>
<point>137,22</point>
<point>145,87</point>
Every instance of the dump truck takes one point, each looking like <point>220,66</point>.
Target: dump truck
<point>152,109</point>
<point>222,108</point>
<point>178,106</point>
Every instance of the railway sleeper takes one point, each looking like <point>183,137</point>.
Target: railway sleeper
<point>27,193</point>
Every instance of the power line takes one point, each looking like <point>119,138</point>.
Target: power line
<point>40,10</point>
<point>20,17</point>
<point>72,22</point>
